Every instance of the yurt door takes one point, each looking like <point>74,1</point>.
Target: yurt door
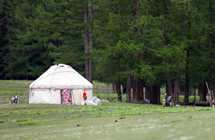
<point>66,97</point>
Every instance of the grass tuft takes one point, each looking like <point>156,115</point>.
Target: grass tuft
<point>26,122</point>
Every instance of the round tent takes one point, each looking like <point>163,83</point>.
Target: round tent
<point>60,84</point>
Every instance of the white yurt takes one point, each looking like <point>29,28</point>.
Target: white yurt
<point>60,84</point>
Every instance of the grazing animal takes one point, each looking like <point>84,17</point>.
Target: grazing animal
<point>169,101</point>
<point>14,99</point>
<point>146,101</point>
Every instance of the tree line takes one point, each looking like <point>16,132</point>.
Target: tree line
<point>140,45</point>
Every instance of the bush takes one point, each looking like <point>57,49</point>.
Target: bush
<point>111,97</point>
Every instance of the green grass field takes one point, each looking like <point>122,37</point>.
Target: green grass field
<point>109,121</point>
<point>119,121</point>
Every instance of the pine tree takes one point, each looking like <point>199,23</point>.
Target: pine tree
<point>4,24</point>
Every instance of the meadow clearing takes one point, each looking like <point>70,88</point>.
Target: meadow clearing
<point>113,120</point>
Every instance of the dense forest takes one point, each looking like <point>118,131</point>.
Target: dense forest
<point>140,44</point>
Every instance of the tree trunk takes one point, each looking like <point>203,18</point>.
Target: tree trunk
<point>168,88</point>
<point>88,41</point>
<point>176,91</point>
<point>118,91</point>
<point>114,87</point>
<point>128,88</point>
<point>202,91</point>
<point>135,90</point>
<point>195,92</point>
<point>140,91</point>
<point>187,65</point>
<point>173,90</point>
<point>187,80</point>
<point>135,7</point>
<point>156,94</point>
<point>153,94</point>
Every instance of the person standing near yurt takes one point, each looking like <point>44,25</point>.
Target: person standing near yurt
<point>85,97</point>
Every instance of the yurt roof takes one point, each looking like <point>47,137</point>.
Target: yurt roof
<point>61,76</point>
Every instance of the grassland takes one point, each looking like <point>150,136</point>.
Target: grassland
<point>109,121</point>
<point>9,88</point>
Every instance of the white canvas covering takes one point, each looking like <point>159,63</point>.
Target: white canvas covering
<point>45,96</point>
<point>47,88</point>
